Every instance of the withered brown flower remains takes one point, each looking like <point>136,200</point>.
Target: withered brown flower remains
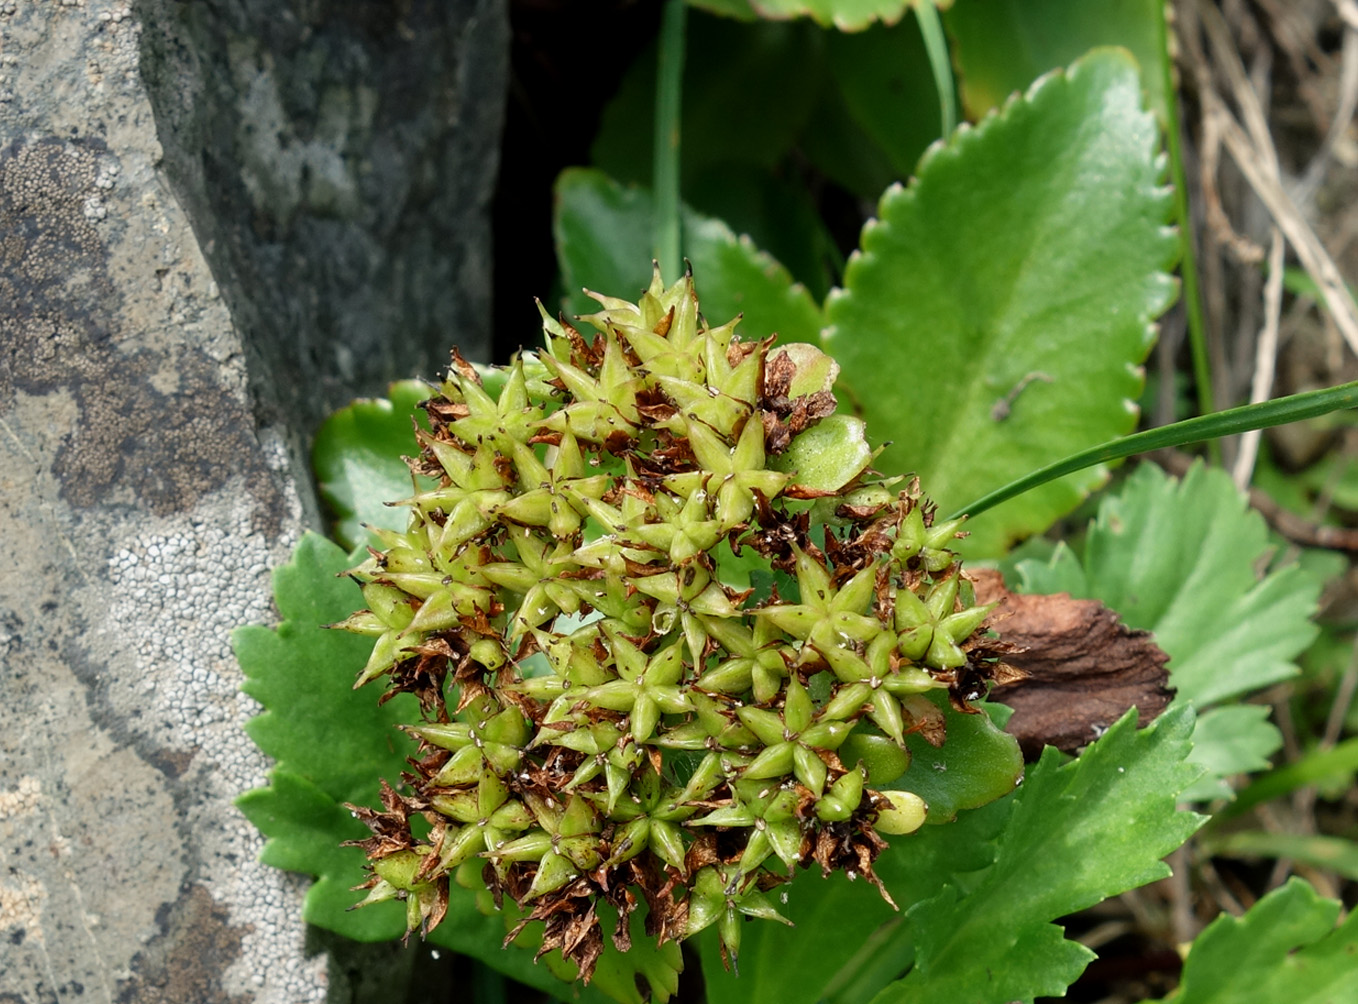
<point>626,724</point>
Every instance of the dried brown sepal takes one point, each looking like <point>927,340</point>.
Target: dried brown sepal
<point>784,416</point>
<point>851,847</point>
<point>463,368</point>
<point>390,828</point>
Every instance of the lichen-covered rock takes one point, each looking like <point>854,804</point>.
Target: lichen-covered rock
<point>142,500</point>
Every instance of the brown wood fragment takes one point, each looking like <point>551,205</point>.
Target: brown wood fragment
<point>1083,667</point>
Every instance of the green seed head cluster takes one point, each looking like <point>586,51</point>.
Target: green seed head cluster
<point>605,712</point>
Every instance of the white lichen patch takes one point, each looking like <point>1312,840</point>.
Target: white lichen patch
<point>21,901</point>
<point>179,587</point>
<point>283,170</point>
<point>22,799</point>
<point>21,896</point>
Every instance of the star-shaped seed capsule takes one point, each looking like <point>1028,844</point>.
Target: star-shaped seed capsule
<point>832,622</point>
<point>730,474</point>
<point>794,741</point>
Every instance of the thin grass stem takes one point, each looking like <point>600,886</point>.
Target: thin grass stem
<point>1204,428</point>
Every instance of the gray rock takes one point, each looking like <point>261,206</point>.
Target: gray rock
<point>217,222</point>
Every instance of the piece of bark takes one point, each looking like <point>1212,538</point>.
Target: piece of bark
<point>1083,667</point>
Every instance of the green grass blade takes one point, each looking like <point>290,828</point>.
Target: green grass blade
<point>1314,768</point>
<point>1264,415</point>
<point>1331,853</point>
<point>1188,263</point>
<point>936,45</point>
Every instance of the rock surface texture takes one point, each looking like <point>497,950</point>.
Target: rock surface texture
<point>217,221</point>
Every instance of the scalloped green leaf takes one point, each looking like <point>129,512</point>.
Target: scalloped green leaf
<point>603,240</point>
<point>1286,948</point>
<point>1081,831</point>
<point>357,458</point>
<point>995,317</point>
<point>305,828</point>
<point>848,943</point>
<point>314,725</point>
<point>846,15</point>
<point>1002,46</point>
<point>979,895</point>
<point>332,745</point>
<point>1236,739</point>
<point>977,764</point>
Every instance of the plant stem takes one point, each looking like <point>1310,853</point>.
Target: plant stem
<point>668,102</point>
<point>1188,263</point>
<point>488,986</point>
<point>1194,430</point>
<point>936,45</point>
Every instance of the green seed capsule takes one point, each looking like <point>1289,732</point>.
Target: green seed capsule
<point>798,710</point>
<point>910,537</point>
<point>847,701</point>
<point>555,871</point>
<point>460,806</point>
<point>399,869</point>
<point>841,801</point>
<point>631,841</point>
<point>668,843</point>
<point>959,626</point>
<point>774,761</point>
<point>467,841</point>
<point>509,728</point>
<point>530,847</point>
<point>465,767</point>
<point>941,535</point>
<point>707,901</point>
<point>901,812</point>
<point>390,605</point>
<point>810,769</point>
<point>488,653</point>
<point>730,926</point>
<point>757,849</point>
